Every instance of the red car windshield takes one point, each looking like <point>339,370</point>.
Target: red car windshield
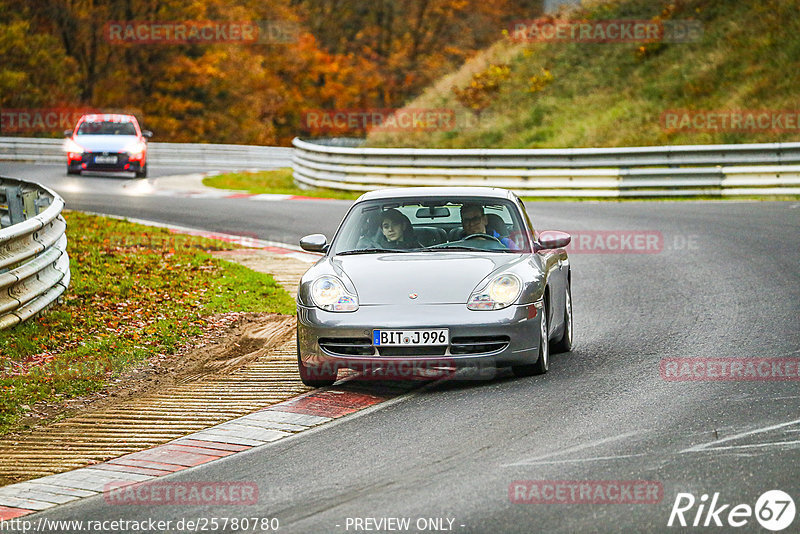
<point>106,128</point>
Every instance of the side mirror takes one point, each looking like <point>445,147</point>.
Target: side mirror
<point>314,243</point>
<point>550,239</point>
<point>67,133</point>
<point>147,133</point>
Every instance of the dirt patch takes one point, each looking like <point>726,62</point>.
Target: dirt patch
<point>229,341</point>
<point>255,337</point>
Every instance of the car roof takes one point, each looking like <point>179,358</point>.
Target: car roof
<point>108,117</point>
<point>402,192</point>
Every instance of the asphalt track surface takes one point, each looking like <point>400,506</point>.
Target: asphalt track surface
<point>725,284</point>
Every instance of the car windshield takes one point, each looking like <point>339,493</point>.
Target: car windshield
<point>106,128</point>
<point>432,225</point>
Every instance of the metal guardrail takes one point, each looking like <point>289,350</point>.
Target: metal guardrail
<point>687,170</point>
<point>34,265</point>
<point>168,154</point>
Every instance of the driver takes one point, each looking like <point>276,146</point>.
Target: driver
<point>474,221</point>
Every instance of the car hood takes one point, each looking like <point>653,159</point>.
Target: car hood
<point>106,143</point>
<point>436,278</point>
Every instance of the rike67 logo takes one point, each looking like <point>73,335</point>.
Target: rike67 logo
<point>774,510</point>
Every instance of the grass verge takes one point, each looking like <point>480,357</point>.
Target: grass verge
<point>278,182</point>
<point>136,292</point>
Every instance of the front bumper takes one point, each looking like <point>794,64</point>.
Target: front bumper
<point>477,338</point>
<point>87,162</point>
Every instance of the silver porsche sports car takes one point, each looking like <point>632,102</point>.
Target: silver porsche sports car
<point>439,277</point>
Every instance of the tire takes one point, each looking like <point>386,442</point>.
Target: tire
<point>314,377</point>
<point>543,362</point>
<point>72,171</point>
<point>142,173</point>
<point>565,343</point>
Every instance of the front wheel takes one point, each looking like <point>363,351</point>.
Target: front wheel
<point>543,363</point>
<point>314,377</point>
<point>565,343</point>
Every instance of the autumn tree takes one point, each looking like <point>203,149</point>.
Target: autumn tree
<point>413,42</point>
<point>348,54</point>
<point>34,70</point>
<point>484,85</point>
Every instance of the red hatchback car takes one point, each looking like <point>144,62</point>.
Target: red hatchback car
<point>107,142</point>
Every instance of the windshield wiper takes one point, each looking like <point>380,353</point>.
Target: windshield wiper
<point>434,248</point>
<point>368,251</point>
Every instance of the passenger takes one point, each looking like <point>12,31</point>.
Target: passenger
<point>474,221</point>
<point>396,231</point>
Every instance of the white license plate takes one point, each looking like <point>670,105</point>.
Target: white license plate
<point>105,159</point>
<point>390,338</point>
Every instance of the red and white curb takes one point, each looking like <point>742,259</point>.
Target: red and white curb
<point>232,437</point>
<point>253,430</point>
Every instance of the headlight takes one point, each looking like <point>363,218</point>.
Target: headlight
<point>72,147</point>
<point>499,293</point>
<point>329,293</point>
<point>135,149</point>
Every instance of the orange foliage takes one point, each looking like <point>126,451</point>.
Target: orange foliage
<point>344,54</point>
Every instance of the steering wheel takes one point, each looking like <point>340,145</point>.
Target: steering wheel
<point>482,236</point>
